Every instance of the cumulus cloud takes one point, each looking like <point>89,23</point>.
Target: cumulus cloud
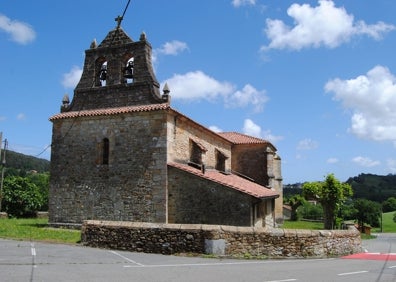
<point>215,128</point>
<point>198,85</point>
<point>21,116</point>
<point>172,48</point>
<point>372,100</point>
<point>71,79</point>
<point>248,95</point>
<point>253,129</point>
<point>323,25</point>
<point>332,160</point>
<point>239,3</point>
<point>20,32</point>
<point>307,144</point>
<point>365,162</point>
<point>391,163</point>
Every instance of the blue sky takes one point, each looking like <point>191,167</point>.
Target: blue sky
<point>316,78</point>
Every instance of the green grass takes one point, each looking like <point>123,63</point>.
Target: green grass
<point>388,225</point>
<point>36,229</point>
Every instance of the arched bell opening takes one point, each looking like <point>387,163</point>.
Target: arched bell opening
<point>101,72</point>
<point>128,70</point>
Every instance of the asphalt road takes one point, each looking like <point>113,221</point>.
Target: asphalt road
<point>35,261</point>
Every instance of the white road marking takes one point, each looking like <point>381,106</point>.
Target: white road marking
<point>394,266</point>
<point>286,280</point>
<point>352,273</point>
<point>127,259</point>
<point>33,249</point>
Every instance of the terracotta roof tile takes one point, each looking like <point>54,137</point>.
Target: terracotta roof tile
<point>110,111</point>
<point>239,138</point>
<point>230,180</point>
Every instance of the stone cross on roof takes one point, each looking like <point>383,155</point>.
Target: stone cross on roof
<point>119,20</point>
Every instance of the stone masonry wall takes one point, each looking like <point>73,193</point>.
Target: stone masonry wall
<point>130,187</point>
<point>220,240</point>
<point>181,130</point>
<point>195,200</point>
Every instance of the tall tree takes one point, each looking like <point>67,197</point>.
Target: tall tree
<point>331,194</point>
<point>367,212</point>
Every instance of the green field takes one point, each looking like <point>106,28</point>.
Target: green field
<point>36,229</point>
<point>388,225</point>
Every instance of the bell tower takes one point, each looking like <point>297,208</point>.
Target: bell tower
<point>117,73</point>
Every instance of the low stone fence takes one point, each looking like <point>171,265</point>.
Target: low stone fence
<point>220,240</point>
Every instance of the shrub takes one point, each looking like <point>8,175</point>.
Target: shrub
<point>21,197</point>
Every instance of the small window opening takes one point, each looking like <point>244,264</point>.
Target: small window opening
<point>105,151</point>
<point>196,154</point>
<point>128,71</point>
<point>103,74</point>
<point>220,161</point>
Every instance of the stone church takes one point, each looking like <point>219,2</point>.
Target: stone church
<point>121,152</point>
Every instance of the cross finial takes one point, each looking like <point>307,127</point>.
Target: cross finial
<point>119,20</point>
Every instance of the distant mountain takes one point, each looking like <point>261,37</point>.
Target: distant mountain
<point>373,187</point>
<point>23,162</point>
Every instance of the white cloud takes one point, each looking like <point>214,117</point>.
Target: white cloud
<point>332,160</point>
<point>198,85</point>
<point>391,163</point>
<point>239,3</point>
<point>172,48</point>
<point>215,128</point>
<point>323,25</point>
<point>307,144</point>
<point>372,99</point>
<point>71,79</point>
<point>252,129</point>
<point>21,116</point>
<point>20,32</point>
<point>366,162</point>
<point>248,95</point>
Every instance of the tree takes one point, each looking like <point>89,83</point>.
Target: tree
<point>389,205</point>
<point>21,197</point>
<point>368,212</point>
<point>331,194</point>
<point>294,202</point>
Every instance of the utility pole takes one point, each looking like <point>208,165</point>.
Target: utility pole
<point>3,163</point>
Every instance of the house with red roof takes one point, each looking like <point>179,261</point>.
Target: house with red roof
<point>121,152</point>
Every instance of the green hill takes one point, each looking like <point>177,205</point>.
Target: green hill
<point>373,187</point>
<point>21,162</point>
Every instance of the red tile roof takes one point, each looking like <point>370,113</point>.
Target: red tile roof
<point>239,138</point>
<point>230,180</point>
<point>111,111</point>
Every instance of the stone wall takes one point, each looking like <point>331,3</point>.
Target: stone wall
<point>220,240</point>
<point>192,199</point>
<point>129,188</point>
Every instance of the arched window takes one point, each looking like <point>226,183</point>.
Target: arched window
<point>103,74</point>
<point>105,151</point>
<point>128,71</point>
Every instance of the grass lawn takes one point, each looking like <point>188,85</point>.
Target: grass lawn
<point>36,229</point>
<point>388,225</point>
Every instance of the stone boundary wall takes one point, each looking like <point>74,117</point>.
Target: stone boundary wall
<point>220,240</point>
